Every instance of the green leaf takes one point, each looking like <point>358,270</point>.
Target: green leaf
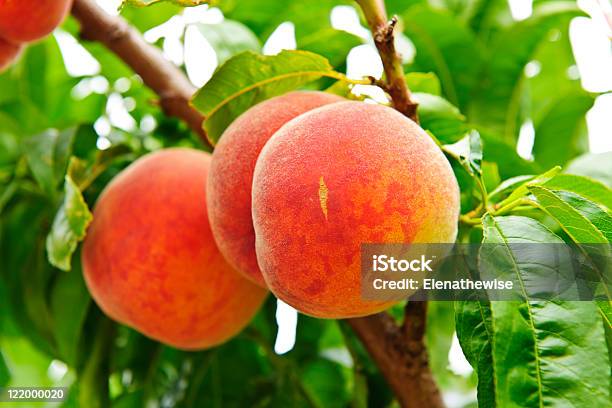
<point>331,43</point>
<point>229,38</point>
<point>69,226</point>
<point>439,337</point>
<point>28,364</point>
<point>5,375</point>
<point>605,309</point>
<point>47,154</point>
<point>445,47</point>
<point>549,354</point>
<point>561,133</point>
<point>261,16</point>
<point>594,165</point>
<point>249,78</point>
<point>440,117</point>
<point>146,18</point>
<point>44,95</point>
<point>44,83</point>
<point>486,16</point>
<point>400,6</point>
<point>497,103</point>
<point>586,187</point>
<point>25,271</point>
<point>424,82</point>
<point>584,221</point>
<point>514,229</point>
<point>509,185</point>
<point>6,193</point>
<point>324,381</point>
<point>468,151</point>
<point>523,189</point>
<point>9,151</point>
<point>509,163</point>
<point>511,263</point>
<point>343,88</point>
<point>475,333</point>
<point>552,84</point>
<point>94,370</point>
<point>129,400</point>
<point>544,353</point>
<point>264,16</point>
<point>490,175</point>
<point>69,303</point>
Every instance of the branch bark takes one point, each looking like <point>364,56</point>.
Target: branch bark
<point>165,79</point>
<point>401,355</point>
<point>384,39</point>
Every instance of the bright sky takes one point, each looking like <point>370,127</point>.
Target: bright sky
<point>590,38</point>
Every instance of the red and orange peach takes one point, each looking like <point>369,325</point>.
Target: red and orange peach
<point>231,174</point>
<point>150,260</point>
<point>337,177</point>
<point>25,21</point>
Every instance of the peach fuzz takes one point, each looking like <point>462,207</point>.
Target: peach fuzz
<point>231,173</point>
<point>337,177</point>
<point>27,20</point>
<point>8,54</point>
<point>150,261</point>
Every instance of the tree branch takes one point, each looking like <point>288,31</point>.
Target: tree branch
<point>401,355</point>
<point>384,39</point>
<point>165,79</point>
<point>402,360</point>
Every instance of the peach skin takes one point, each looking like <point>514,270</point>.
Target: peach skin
<point>231,174</point>
<point>334,178</point>
<point>150,260</point>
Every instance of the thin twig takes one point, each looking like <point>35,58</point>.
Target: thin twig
<point>165,79</point>
<point>384,39</point>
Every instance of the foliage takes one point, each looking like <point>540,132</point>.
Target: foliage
<point>468,75</point>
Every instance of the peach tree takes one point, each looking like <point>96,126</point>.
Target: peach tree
<point>80,105</point>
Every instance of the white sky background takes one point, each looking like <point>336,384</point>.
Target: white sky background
<point>590,39</point>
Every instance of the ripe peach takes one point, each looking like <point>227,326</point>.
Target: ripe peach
<point>334,178</point>
<point>231,174</point>
<point>8,53</point>
<point>150,260</point>
<point>25,21</point>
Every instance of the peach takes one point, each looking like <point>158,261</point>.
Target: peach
<point>334,178</point>
<point>8,53</point>
<point>25,21</point>
<point>231,174</point>
<point>150,261</point>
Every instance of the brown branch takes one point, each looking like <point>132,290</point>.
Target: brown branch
<point>165,79</point>
<point>384,39</point>
<point>401,355</point>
